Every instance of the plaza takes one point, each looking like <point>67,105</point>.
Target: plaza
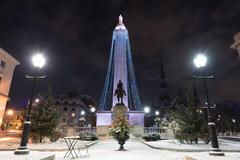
<point>119,80</point>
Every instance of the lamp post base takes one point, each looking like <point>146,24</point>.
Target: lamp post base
<point>22,151</point>
<point>216,152</point>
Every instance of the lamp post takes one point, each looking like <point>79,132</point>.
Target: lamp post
<point>147,117</point>
<point>200,62</point>
<point>234,122</point>
<point>92,110</point>
<point>9,113</point>
<point>38,61</point>
<point>146,110</point>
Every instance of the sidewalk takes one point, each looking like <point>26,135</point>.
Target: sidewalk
<point>174,145</point>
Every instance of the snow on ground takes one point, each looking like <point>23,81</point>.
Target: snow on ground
<point>34,155</point>
<point>224,145</point>
<point>59,145</point>
<point>105,149</point>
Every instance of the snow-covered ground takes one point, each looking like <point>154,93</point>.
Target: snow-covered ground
<point>105,149</point>
<point>59,145</point>
<point>175,144</point>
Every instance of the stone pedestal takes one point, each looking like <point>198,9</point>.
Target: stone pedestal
<point>136,121</point>
<point>119,111</point>
<point>104,121</point>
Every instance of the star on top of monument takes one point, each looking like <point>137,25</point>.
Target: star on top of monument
<point>120,25</point>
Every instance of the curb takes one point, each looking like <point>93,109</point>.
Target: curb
<point>46,150</point>
<point>184,150</point>
<point>51,157</point>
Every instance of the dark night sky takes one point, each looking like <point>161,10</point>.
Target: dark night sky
<point>75,36</point>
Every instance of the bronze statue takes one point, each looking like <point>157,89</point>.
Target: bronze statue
<point>119,92</point>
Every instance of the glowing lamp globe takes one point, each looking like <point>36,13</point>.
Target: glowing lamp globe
<point>92,109</point>
<point>82,113</point>
<point>200,61</point>
<point>146,109</point>
<point>38,60</point>
<point>156,113</point>
<point>10,112</point>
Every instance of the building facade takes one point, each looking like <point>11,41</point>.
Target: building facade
<point>7,66</point>
<point>236,44</point>
<point>75,112</point>
<point>13,119</point>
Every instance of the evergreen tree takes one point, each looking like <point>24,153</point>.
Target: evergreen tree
<point>191,121</point>
<point>45,117</point>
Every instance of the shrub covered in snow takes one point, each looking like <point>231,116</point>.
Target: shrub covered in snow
<point>151,136</point>
<point>91,136</point>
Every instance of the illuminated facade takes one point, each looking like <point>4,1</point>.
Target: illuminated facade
<point>75,113</point>
<point>7,66</point>
<point>14,121</point>
<point>236,44</point>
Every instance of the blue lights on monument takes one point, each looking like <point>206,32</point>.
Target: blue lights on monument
<point>120,67</point>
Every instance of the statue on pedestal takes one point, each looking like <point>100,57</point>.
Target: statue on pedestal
<point>119,92</point>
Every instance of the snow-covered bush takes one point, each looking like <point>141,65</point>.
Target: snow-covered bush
<point>151,136</point>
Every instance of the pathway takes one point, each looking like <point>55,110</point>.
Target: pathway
<point>106,150</point>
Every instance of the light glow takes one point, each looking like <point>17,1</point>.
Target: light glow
<point>200,60</point>
<point>82,113</point>
<point>92,109</point>
<point>146,109</point>
<point>10,112</point>
<point>38,60</point>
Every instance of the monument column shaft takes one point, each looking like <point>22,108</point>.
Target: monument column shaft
<point>120,63</point>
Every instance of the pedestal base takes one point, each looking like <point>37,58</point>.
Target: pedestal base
<point>136,121</point>
<point>104,122</point>
<point>102,130</point>
<point>22,151</point>
<point>216,152</point>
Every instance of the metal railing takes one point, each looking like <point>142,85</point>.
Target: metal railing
<point>154,130</point>
<point>164,133</point>
<point>77,130</point>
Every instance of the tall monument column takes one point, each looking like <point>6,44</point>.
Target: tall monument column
<point>120,60</point>
<point>120,68</point>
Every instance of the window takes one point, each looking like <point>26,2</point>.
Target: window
<point>73,109</point>
<point>3,64</point>
<point>65,109</point>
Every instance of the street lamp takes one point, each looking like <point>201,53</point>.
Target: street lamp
<point>146,110</point>
<point>38,61</point>
<point>82,113</point>
<point>234,122</point>
<point>157,113</point>
<point>9,113</point>
<point>37,100</point>
<point>200,62</point>
<point>92,109</point>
